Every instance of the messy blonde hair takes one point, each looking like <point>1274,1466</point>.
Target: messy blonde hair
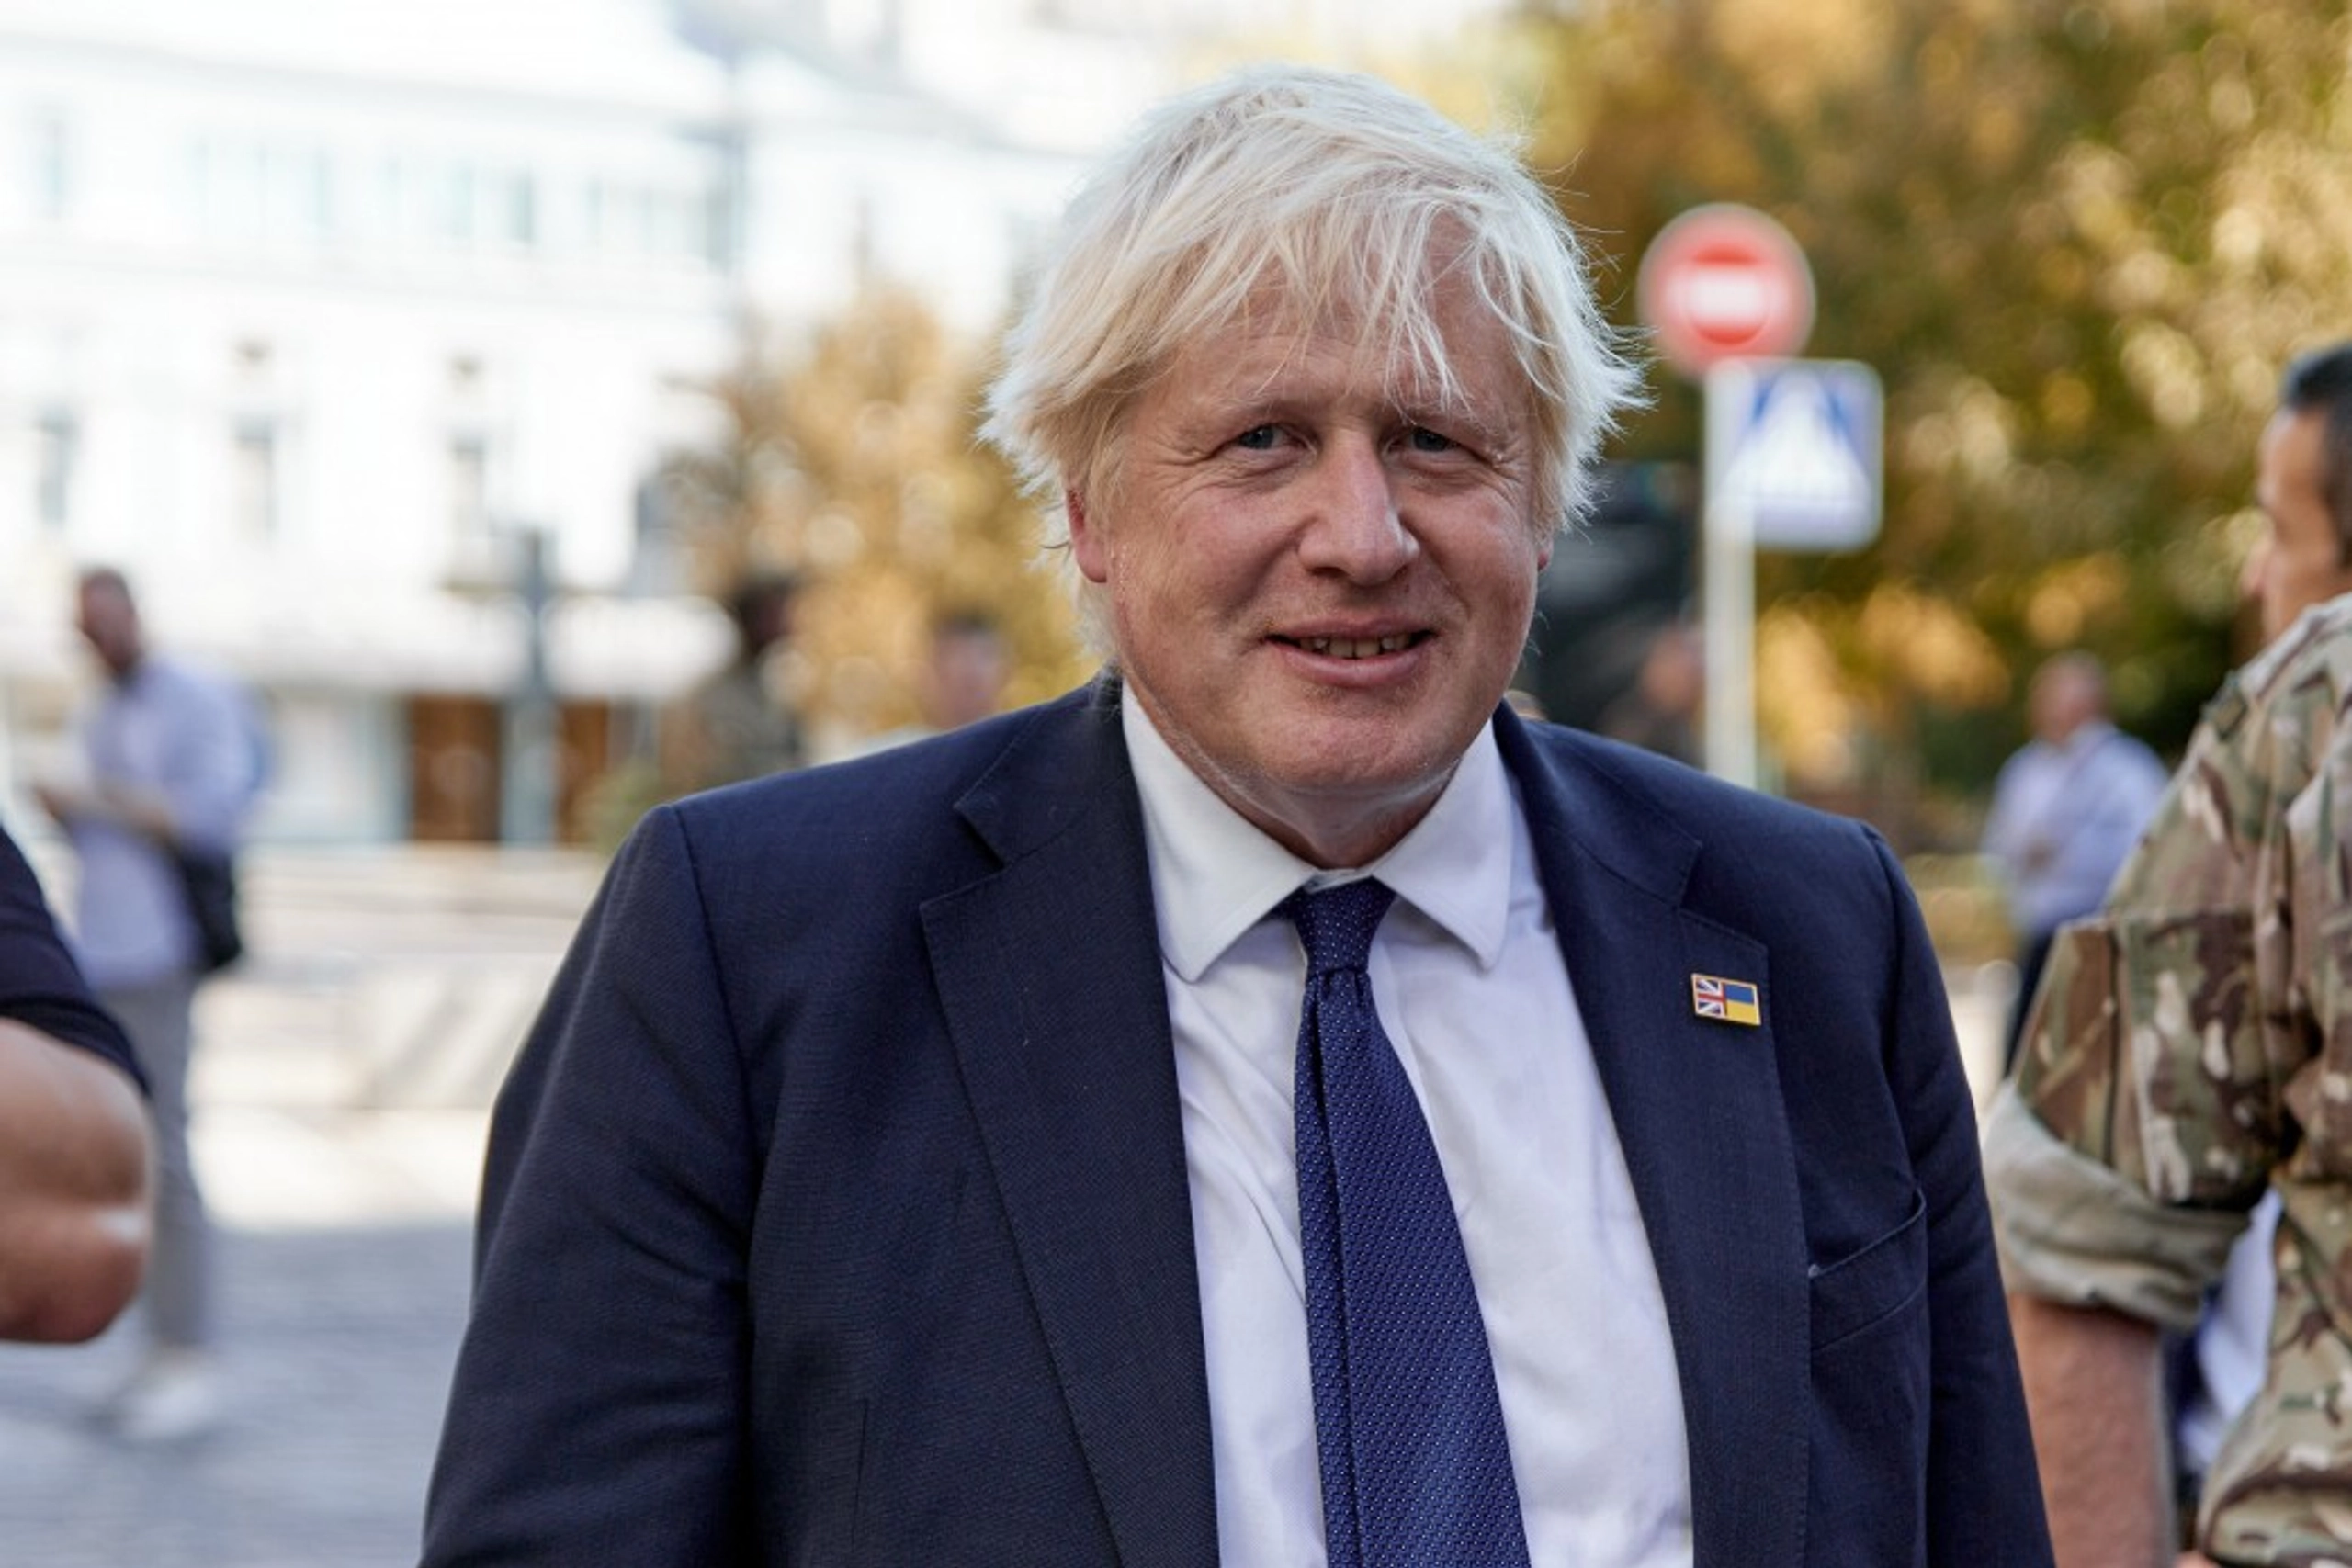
<point>1338,196</point>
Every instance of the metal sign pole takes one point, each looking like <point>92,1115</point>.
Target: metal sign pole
<point>1729,295</point>
<point>1729,590</point>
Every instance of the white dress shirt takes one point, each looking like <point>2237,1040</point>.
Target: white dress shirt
<point>1467,975</point>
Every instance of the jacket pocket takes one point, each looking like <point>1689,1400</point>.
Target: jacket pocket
<point>1872,1282</point>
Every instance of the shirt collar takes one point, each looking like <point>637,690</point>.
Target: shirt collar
<point>1213,875</point>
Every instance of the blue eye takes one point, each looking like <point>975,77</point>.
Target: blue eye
<point>1427,440</point>
<point>1258,438</point>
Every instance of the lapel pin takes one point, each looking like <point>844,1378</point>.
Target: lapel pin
<point>1732,1001</point>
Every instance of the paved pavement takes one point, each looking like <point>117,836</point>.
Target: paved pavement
<point>341,1091</point>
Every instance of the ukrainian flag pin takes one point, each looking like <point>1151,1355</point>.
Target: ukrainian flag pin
<point>1731,1002</point>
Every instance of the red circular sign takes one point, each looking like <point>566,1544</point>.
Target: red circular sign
<point>1724,282</point>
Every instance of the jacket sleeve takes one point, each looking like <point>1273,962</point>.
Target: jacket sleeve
<point>1984,1499</point>
<point>2158,1079</point>
<point>595,1413</point>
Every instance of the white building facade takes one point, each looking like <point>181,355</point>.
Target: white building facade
<point>308,311</point>
<point>314,312</point>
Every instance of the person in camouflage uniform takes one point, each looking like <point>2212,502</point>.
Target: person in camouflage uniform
<point>2191,1047</point>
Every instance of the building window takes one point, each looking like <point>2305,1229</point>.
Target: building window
<point>253,480</point>
<point>57,440</point>
<point>595,215</point>
<point>302,196</point>
<point>669,224</point>
<point>468,481</point>
<point>236,193</point>
<point>395,199</point>
<point>722,244</point>
<point>453,203</point>
<point>516,204</point>
<point>49,166</point>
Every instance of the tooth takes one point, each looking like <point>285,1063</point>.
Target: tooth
<point>1356,647</point>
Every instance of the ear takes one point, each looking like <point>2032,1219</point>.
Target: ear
<point>1087,545</point>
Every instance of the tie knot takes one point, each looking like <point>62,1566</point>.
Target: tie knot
<point>1336,924</point>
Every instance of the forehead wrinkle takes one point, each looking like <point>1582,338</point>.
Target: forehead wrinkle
<point>1407,390</point>
<point>1263,358</point>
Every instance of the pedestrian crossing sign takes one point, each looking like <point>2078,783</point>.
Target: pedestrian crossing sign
<point>1794,446</point>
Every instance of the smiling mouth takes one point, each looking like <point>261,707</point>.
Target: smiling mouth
<point>1355,647</point>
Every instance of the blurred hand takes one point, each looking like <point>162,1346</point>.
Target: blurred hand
<point>58,802</point>
<point>141,811</point>
<point>2194,1559</point>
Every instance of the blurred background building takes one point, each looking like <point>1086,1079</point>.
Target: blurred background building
<point>348,328</point>
<point>357,333</point>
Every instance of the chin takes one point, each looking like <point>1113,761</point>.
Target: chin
<point>1385,781</point>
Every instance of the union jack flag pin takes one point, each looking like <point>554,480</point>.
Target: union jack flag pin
<point>1729,1001</point>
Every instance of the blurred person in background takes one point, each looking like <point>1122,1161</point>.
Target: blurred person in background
<point>1664,709</point>
<point>2067,806</point>
<point>739,724</point>
<point>965,669</point>
<point>2188,1058</point>
<point>1272,1105</point>
<point>74,1139</point>
<point>964,678</point>
<point>170,764</point>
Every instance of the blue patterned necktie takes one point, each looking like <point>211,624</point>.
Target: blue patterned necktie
<point>1407,1426</point>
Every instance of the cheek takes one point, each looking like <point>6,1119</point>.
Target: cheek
<point>1154,592</point>
<point>1510,597</point>
<point>2311,571</point>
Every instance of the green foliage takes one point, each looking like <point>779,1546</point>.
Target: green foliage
<point>2077,241</point>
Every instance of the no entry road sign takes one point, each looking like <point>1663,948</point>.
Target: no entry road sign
<point>1724,282</point>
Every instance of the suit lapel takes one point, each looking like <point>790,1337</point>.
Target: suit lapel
<point>1049,975</point>
<point>1697,1105</point>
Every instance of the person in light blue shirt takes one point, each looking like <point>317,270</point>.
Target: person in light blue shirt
<point>170,764</point>
<point>2067,807</point>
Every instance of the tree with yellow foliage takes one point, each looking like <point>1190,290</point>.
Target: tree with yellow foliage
<point>850,460</point>
<point>2078,241</point>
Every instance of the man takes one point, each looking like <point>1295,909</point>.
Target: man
<point>965,676</point>
<point>73,1146</point>
<point>2188,1053</point>
<point>170,756</point>
<point>966,666</point>
<point>735,726</point>
<point>2066,809</point>
<point>908,1166</point>
<point>1661,712</point>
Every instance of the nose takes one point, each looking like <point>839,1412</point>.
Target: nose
<point>1353,525</point>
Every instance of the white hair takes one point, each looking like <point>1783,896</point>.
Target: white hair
<point>1339,195</point>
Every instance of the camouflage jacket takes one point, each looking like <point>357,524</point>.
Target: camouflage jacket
<point>2190,1046</point>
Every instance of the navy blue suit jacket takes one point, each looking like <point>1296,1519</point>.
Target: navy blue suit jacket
<point>836,1210</point>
